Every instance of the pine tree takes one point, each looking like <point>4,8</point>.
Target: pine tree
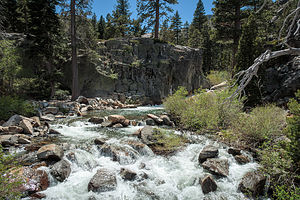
<point>10,15</point>
<point>195,38</point>
<point>176,24</point>
<point>110,30</point>
<point>101,28</point>
<point>228,15</point>
<point>185,34</point>
<point>165,34</point>
<point>199,16</point>
<point>121,18</point>
<point>153,10</point>
<point>94,22</point>
<point>23,16</point>
<point>137,30</point>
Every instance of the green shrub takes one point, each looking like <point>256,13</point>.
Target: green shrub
<point>9,183</point>
<point>204,111</point>
<point>61,94</point>
<point>262,124</point>
<point>217,77</point>
<point>13,105</point>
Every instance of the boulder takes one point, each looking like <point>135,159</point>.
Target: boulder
<point>51,110</point>
<point>150,122</point>
<point>61,170</point>
<point>121,154</point>
<point>50,152</point>
<point>96,120</point>
<point>166,120</point>
<point>8,140</point>
<point>82,100</point>
<point>36,121</point>
<point>234,151</point>
<point>126,123</point>
<point>100,141</point>
<point>217,166</point>
<point>209,151</point>
<point>104,180</point>
<point>54,132</point>
<point>147,135</point>
<point>38,195</point>
<point>27,127</point>
<point>107,123</point>
<point>116,119</point>
<point>118,125</point>
<point>242,159</point>
<point>127,174</point>
<point>253,183</point>
<point>23,140</point>
<point>208,184</point>
<point>15,129</point>
<point>13,121</point>
<point>156,119</point>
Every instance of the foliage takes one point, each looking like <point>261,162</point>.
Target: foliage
<point>176,24</point>
<point>263,123</point>
<point>101,28</point>
<point>217,77</point>
<point>199,16</point>
<point>9,182</point>
<point>204,111</point>
<point>13,105</point>
<point>121,18</point>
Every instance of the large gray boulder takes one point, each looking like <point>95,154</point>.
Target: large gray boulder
<point>27,127</point>
<point>103,181</point>
<point>13,121</point>
<point>253,183</point>
<point>209,151</point>
<point>61,170</point>
<point>146,135</point>
<point>217,166</point>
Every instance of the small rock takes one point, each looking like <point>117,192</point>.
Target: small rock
<point>82,100</point>
<point>96,120</point>
<point>208,184</point>
<point>133,123</point>
<point>38,195</point>
<point>61,170</point>
<point>103,181</point>
<point>27,127</point>
<point>22,140</point>
<point>217,166</point>
<point>208,152</point>
<point>147,135</point>
<point>50,152</point>
<point>137,133</point>
<point>242,159</point>
<point>234,151</point>
<point>150,122</point>
<point>15,129</point>
<point>166,120</point>
<point>118,125</point>
<point>54,132</point>
<point>156,119</point>
<point>126,123</point>
<point>107,124</point>
<point>36,122</point>
<point>127,174</point>
<point>48,118</point>
<point>99,141</point>
<point>51,110</point>
<point>253,183</point>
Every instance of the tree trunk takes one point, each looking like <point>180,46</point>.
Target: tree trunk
<point>75,89</point>
<point>156,19</point>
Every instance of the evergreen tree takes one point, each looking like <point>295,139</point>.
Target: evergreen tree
<point>121,18</point>
<point>176,24</point>
<point>101,28</point>
<point>228,15</point>
<point>195,38</point>
<point>109,27</point>
<point>10,15</point>
<point>185,34</point>
<point>137,30</point>
<point>199,16</point>
<point>23,16</point>
<point>165,31</point>
<point>208,47</point>
<point>94,22</point>
<point>153,10</point>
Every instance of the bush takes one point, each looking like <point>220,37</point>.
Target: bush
<point>9,183</point>
<point>262,124</point>
<point>217,77</point>
<point>13,105</point>
<point>203,111</point>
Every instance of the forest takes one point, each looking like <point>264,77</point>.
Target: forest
<point>232,77</point>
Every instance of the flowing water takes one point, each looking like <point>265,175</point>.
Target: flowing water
<point>173,177</point>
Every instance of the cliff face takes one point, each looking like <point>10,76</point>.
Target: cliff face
<point>140,68</point>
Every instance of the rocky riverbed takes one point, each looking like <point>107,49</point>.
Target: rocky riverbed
<point>117,151</point>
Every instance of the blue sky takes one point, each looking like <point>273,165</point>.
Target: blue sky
<point>185,8</point>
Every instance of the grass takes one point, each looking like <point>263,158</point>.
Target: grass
<point>217,77</point>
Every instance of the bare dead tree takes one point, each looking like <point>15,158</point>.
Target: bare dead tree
<point>245,76</point>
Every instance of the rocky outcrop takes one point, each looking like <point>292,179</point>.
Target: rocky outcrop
<point>282,81</point>
<point>141,68</point>
<point>103,181</point>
